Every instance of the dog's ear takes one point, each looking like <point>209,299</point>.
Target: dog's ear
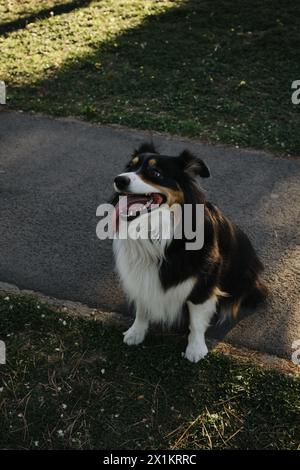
<point>193,165</point>
<point>145,147</point>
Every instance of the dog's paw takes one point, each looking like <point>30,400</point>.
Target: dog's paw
<point>195,352</point>
<point>134,336</point>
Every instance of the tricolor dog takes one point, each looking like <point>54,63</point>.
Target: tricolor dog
<point>159,274</point>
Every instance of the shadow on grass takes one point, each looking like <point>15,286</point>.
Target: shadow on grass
<point>60,9</point>
<point>219,70</point>
<point>70,383</point>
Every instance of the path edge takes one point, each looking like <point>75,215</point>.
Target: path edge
<point>78,309</point>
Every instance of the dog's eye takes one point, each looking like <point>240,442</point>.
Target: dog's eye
<point>154,172</point>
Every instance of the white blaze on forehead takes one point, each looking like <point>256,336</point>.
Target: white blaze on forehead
<point>137,185</point>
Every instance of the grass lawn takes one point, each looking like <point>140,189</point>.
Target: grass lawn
<point>219,70</point>
<point>71,383</point>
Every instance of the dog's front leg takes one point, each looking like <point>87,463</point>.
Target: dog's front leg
<point>200,316</point>
<point>138,330</point>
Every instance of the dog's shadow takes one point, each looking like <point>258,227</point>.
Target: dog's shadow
<point>218,330</point>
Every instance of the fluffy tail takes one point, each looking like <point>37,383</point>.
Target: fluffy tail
<point>230,307</point>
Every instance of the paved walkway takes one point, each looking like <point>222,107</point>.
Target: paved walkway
<point>54,174</point>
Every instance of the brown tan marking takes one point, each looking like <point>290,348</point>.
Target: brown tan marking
<point>214,254</point>
<point>172,195</point>
<point>135,161</point>
<point>219,293</point>
<point>152,162</point>
<point>235,307</point>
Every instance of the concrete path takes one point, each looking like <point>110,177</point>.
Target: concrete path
<point>54,174</point>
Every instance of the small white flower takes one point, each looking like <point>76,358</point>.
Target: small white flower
<point>102,371</point>
<point>60,433</point>
<point>20,415</point>
<point>64,406</point>
<point>64,322</point>
<point>36,443</point>
<point>6,298</point>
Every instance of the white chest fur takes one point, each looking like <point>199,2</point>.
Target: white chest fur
<point>137,262</point>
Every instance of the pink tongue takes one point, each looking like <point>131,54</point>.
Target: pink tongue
<point>124,203</point>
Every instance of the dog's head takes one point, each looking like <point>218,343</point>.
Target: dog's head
<point>152,180</point>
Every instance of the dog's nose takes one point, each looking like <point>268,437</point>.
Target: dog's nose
<point>122,182</point>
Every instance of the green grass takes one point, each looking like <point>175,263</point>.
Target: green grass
<point>217,70</point>
<point>71,383</point>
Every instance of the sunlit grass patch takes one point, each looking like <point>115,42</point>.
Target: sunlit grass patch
<point>219,71</point>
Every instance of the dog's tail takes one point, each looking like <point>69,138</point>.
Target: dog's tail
<point>256,295</point>
<point>230,307</point>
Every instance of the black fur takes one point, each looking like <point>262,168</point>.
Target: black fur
<point>145,147</point>
<point>227,261</point>
<point>227,264</point>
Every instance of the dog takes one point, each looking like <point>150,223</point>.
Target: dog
<point>160,275</point>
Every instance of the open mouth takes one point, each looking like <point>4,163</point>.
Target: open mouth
<point>131,206</point>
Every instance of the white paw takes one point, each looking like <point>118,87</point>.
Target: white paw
<point>134,336</point>
<point>195,352</point>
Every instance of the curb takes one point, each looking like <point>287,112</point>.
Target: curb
<point>75,309</point>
